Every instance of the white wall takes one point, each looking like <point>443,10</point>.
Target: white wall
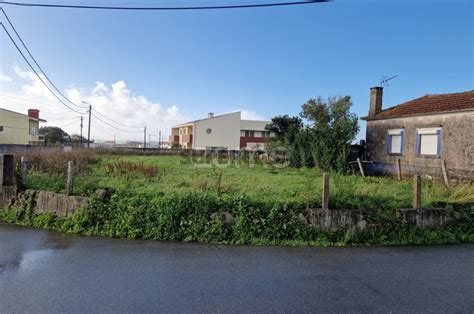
<point>225,132</point>
<point>253,125</point>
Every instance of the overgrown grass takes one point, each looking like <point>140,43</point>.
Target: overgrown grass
<point>301,186</point>
<point>172,198</point>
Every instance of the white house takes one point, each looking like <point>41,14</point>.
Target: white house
<point>224,131</point>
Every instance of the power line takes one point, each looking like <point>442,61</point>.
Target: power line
<point>29,100</point>
<point>124,125</point>
<point>34,70</point>
<point>68,124</point>
<point>34,60</point>
<point>217,7</point>
<point>114,127</point>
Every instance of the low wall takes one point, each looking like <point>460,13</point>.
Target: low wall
<point>335,219</point>
<point>324,219</point>
<point>61,205</point>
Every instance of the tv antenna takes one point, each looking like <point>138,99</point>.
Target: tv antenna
<point>384,80</point>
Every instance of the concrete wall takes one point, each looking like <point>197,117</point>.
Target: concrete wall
<point>457,144</point>
<point>335,219</point>
<point>225,132</point>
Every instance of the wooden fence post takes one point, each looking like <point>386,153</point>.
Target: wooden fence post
<point>416,192</point>
<point>24,166</point>
<point>399,169</point>
<point>70,174</point>
<point>361,168</point>
<point>325,200</point>
<point>445,172</point>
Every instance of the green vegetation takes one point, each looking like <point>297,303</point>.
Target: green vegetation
<point>185,216</point>
<point>299,186</point>
<point>324,141</point>
<point>173,198</point>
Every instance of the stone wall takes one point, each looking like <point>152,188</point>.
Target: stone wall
<point>61,205</point>
<point>457,145</point>
<point>354,219</point>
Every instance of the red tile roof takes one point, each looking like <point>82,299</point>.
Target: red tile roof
<point>429,104</point>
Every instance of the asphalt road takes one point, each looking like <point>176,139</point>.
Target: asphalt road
<point>47,272</point>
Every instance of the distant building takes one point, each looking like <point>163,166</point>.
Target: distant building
<point>421,133</point>
<point>20,129</point>
<point>224,131</point>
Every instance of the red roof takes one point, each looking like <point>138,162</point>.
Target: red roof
<point>429,104</point>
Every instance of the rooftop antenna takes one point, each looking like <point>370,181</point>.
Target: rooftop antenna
<point>384,80</point>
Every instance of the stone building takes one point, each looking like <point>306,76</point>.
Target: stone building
<point>423,133</point>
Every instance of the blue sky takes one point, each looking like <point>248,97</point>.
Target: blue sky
<point>266,61</point>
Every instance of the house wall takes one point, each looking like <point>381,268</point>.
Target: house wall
<point>457,144</point>
<point>225,132</point>
<point>17,128</point>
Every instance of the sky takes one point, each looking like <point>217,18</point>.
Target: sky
<point>163,68</point>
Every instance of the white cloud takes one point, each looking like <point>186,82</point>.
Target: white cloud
<point>5,78</point>
<point>115,101</point>
<point>250,115</point>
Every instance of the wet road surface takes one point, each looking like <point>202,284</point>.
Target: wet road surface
<point>48,272</point>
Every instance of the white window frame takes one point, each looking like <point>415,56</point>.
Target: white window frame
<point>420,132</point>
<point>391,134</point>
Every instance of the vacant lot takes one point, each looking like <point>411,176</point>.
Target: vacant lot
<point>184,199</point>
<point>300,187</point>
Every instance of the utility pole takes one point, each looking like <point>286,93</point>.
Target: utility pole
<point>159,139</point>
<point>81,131</point>
<point>144,139</point>
<point>89,129</point>
<point>149,140</point>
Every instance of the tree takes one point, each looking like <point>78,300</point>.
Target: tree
<point>334,128</point>
<point>281,126</point>
<point>54,135</point>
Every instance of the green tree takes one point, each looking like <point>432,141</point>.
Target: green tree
<point>334,127</point>
<point>282,126</point>
<point>54,135</point>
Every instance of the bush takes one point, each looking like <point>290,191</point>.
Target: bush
<point>55,161</point>
<point>186,216</point>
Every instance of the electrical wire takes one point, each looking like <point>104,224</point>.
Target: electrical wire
<point>124,125</point>
<point>34,70</point>
<point>114,127</point>
<point>68,124</point>
<point>216,7</point>
<point>34,60</point>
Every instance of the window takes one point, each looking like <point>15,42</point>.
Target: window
<point>249,134</point>
<point>428,142</point>
<point>395,141</point>
<point>33,130</point>
<point>265,134</point>
<point>1,128</point>
<point>208,131</point>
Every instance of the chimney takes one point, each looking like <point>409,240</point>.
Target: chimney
<point>33,113</point>
<point>210,115</point>
<point>376,94</point>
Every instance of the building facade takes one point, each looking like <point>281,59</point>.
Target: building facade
<point>423,133</point>
<point>227,131</point>
<point>20,129</point>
